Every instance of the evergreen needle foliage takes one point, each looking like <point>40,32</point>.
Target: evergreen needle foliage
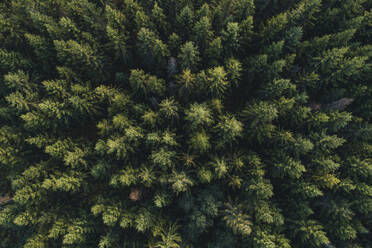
<point>185,124</point>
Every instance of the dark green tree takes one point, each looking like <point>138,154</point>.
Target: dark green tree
<point>192,124</point>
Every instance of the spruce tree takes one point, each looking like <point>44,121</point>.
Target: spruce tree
<point>174,124</point>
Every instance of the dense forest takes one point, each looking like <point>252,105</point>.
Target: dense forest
<point>185,123</point>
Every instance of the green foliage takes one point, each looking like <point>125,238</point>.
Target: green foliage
<point>229,129</point>
<point>172,124</point>
<point>199,116</point>
<point>216,82</point>
<point>189,56</point>
<point>200,142</point>
<point>169,238</point>
<point>151,49</point>
<point>203,32</point>
<point>237,220</point>
<point>145,84</point>
<point>231,38</point>
<point>80,56</point>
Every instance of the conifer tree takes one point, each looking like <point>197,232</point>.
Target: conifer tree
<point>195,124</point>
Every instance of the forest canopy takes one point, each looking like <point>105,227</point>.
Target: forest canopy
<point>185,123</point>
